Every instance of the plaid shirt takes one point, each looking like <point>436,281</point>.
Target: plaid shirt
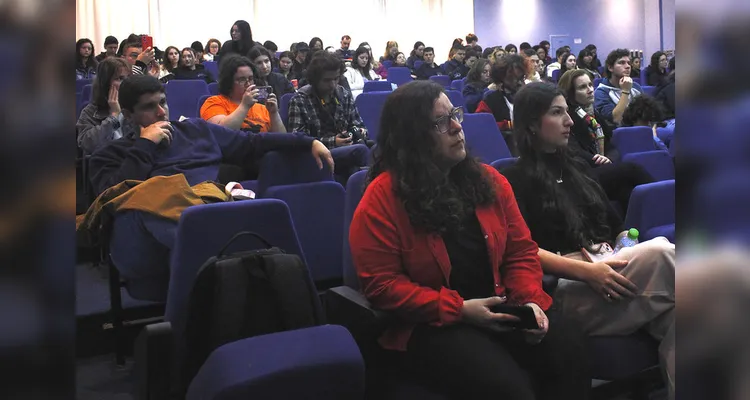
<point>303,115</point>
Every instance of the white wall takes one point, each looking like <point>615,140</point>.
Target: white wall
<point>173,22</point>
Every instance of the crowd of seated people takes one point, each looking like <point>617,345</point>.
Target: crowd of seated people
<point>428,204</point>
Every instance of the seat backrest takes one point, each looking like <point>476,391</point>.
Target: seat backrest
<point>203,230</point>
<point>633,139</point>
<point>212,67</point>
<point>316,210</point>
<point>279,168</point>
<point>183,95</point>
<point>483,138</point>
<point>370,105</point>
<point>643,76</point>
<point>200,103</point>
<point>601,70</point>
<point>649,90</point>
<point>80,83</point>
<point>86,92</point>
<point>213,88</point>
<point>354,191</point>
<point>458,84</point>
<point>555,75</point>
<point>723,199</point>
<point>284,107</point>
<point>651,204</point>
<point>503,163</point>
<point>387,63</point>
<point>444,80</point>
<point>658,163</point>
<point>417,64</point>
<point>597,81</point>
<point>377,86</point>
<point>638,81</point>
<point>456,98</point>
<point>399,75</point>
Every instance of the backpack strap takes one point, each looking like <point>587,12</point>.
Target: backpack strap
<point>296,298</point>
<point>228,311</point>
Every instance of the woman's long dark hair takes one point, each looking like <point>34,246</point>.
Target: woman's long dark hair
<point>434,201</point>
<point>91,62</point>
<point>104,74</point>
<point>655,61</point>
<point>529,107</point>
<point>355,62</point>
<point>581,63</point>
<point>414,49</point>
<point>245,43</point>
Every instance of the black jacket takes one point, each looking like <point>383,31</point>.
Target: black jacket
<point>280,85</point>
<point>200,72</point>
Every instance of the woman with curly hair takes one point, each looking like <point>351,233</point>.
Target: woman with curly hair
<point>438,240</point>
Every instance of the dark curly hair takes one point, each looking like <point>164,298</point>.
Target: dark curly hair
<point>321,62</point>
<point>643,108</point>
<point>585,222</point>
<point>612,58</point>
<point>227,69</point>
<point>434,201</point>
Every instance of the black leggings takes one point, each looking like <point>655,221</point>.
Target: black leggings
<point>466,362</point>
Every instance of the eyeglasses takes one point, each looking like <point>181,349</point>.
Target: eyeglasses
<point>443,124</point>
<point>244,81</point>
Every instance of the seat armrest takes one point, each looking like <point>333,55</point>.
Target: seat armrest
<point>349,308</point>
<point>153,361</point>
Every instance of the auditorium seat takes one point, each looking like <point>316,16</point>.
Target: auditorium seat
<point>444,80</point>
<point>633,139</point>
<point>503,163</point>
<point>279,168</point>
<point>399,75</point>
<point>652,210</point>
<point>649,90</point>
<point>457,99</point>
<point>284,108</point>
<point>458,84</point>
<point>319,363</point>
<point>183,95</point>
<point>483,138</point>
<point>556,76</point>
<point>213,68</point>
<point>417,64</point>
<point>370,105</point>
<point>658,163</point>
<point>200,103</point>
<point>387,63</point>
<point>317,212</point>
<point>377,86</point>
<point>597,81</point>
<point>213,88</point>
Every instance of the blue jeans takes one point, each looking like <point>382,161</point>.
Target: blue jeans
<point>140,248</point>
<point>348,160</point>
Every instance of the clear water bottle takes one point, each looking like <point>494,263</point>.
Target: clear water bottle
<point>627,238</point>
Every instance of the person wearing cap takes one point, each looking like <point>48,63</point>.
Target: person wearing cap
<point>110,46</point>
<point>299,65</point>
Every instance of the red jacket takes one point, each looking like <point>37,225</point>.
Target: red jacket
<point>406,271</point>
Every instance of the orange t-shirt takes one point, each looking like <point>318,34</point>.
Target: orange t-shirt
<point>221,105</point>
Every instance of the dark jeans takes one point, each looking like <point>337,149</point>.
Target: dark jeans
<point>348,160</point>
<point>140,248</point>
<point>466,362</point>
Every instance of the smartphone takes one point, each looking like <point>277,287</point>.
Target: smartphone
<point>524,313</point>
<point>263,93</point>
<point>146,42</point>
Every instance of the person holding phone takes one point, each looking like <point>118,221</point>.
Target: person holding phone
<point>238,104</point>
<point>438,241</point>
<point>566,210</point>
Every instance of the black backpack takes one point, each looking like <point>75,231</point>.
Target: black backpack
<point>247,294</point>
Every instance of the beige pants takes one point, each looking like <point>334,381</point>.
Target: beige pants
<point>651,267</point>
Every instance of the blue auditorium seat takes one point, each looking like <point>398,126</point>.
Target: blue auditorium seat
<point>652,210</point>
<point>556,76</point>
<point>649,90</point>
<point>370,105</point>
<point>377,86</point>
<point>457,99</point>
<point>458,84</point>
<point>483,138</point>
<point>279,168</point>
<point>212,67</point>
<point>318,363</point>
<point>80,83</point>
<point>633,139</point>
<point>658,163</point>
<point>317,213</point>
<point>213,88</point>
<point>444,80</point>
<point>503,163</point>
<point>399,75</point>
<point>200,103</point>
<point>284,108</point>
<point>387,63</point>
<point>417,64</point>
<point>183,95</point>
